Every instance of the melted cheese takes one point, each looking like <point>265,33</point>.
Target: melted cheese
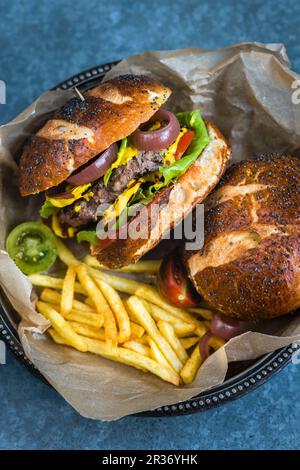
<point>124,155</point>
<point>77,193</point>
<point>170,153</point>
<point>121,202</point>
<point>127,153</point>
<point>155,126</point>
<point>59,231</point>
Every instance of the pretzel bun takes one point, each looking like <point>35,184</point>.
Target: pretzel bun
<point>80,130</point>
<point>249,266</point>
<point>169,206</point>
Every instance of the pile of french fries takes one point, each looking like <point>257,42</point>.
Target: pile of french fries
<point>137,328</point>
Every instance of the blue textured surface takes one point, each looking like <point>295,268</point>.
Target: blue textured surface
<point>43,43</point>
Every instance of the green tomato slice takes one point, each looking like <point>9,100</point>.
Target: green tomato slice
<point>32,246</point>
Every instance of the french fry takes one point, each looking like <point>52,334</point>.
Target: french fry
<point>148,266</point>
<point>92,319</point>
<point>160,314</point>
<point>137,347</point>
<point>101,304</point>
<point>88,301</point>
<point>143,340</point>
<point>57,338</point>
<point>215,342</point>
<point>116,304</point>
<point>168,333</point>
<point>146,292</point>
<point>131,358</point>
<point>128,286</point>
<point>203,312</point>
<point>183,329</point>
<point>55,306</point>
<point>190,369</point>
<point>61,326</point>
<point>151,294</point>
<point>54,297</point>
<point>75,323</point>
<point>201,329</point>
<point>156,354</point>
<point>67,294</point>
<point>65,255</point>
<point>138,309</point>
<point>50,296</point>
<point>145,266</point>
<point>93,262</point>
<point>89,331</point>
<point>187,343</point>
<point>41,280</point>
<point>137,331</point>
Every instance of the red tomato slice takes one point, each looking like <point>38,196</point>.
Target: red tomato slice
<point>174,284</point>
<point>183,144</point>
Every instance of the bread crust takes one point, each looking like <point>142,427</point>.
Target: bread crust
<point>249,266</point>
<point>80,130</point>
<point>170,205</point>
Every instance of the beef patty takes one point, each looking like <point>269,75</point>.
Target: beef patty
<point>143,163</point>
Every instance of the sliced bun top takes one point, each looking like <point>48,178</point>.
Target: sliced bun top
<point>79,130</point>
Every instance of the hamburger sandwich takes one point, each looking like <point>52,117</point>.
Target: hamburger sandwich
<point>106,159</point>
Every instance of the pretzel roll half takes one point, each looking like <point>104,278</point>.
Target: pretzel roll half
<point>249,266</point>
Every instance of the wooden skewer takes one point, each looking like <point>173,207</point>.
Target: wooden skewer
<point>79,94</point>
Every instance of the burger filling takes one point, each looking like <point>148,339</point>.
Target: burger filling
<point>138,167</point>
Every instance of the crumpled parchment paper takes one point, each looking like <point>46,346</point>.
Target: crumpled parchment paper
<point>246,90</point>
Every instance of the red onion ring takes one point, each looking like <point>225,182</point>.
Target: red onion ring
<point>97,168</point>
<point>204,346</point>
<point>224,327</point>
<point>161,138</point>
<point>64,195</point>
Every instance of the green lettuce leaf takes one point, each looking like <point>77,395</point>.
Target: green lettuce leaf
<point>117,161</point>
<point>191,120</point>
<point>87,236</point>
<point>150,192</point>
<point>48,209</point>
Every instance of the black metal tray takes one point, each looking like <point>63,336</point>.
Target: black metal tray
<point>242,377</point>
